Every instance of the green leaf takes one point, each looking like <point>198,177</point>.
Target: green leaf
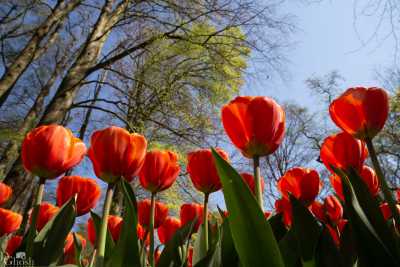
<point>126,251</point>
<point>170,256</point>
<point>213,255</point>
<point>278,227</point>
<point>251,232</point>
<point>229,256</point>
<point>371,250</point>
<point>327,252</point>
<point>289,250</point>
<point>78,250</point>
<point>199,247</point>
<point>109,241</point>
<point>49,243</point>
<point>306,229</point>
<point>347,246</point>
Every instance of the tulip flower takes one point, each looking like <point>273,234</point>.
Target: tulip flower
<point>202,170</point>
<point>144,207</point>
<point>9,222</point>
<point>284,206</point>
<point>46,212</point>
<point>190,257</point>
<point>5,193</point>
<point>361,112</point>
<point>249,179</point>
<point>167,230</point>
<point>336,231</point>
<point>331,211</point>
<point>87,191</point>
<point>13,244</point>
<point>336,183</point>
<point>50,150</point>
<point>386,211</point>
<point>344,152</point>
<point>69,248</point>
<point>302,183</point>
<point>114,225</point>
<point>192,212</point>
<point>267,214</point>
<point>159,171</point>
<point>256,126</point>
<point>370,179</point>
<point>116,153</point>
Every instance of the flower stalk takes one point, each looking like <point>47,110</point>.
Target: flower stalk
<point>205,221</point>
<point>151,229</point>
<point>257,179</point>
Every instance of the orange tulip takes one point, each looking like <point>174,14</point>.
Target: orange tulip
<point>5,193</point>
<point>46,213</point>
<point>159,171</point>
<point>114,225</point>
<point>361,112</point>
<point>190,212</point>
<point>344,152</point>
<point>255,125</point>
<point>370,179</point>
<point>160,213</point>
<point>167,230</point>
<point>284,206</point>
<point>304,184</point>
<point>50,150</point>
<point>249,179</point>
<point>87,191</point>
<point>202,170</point>
<point>9,222</point>
<point>13,244</point>
<point>116,153</point>
<point>69,248</point>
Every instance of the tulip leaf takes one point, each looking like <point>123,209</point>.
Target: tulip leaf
<point>126,250</point>
<point>278,227</point>
<point>109,241</point>
<point>170,256</point>
<point>78,250</point>
<point>371,250</point>
<point>49,243</point>
<point>229,256</point>
<point>328,254</point>
<point>306,230</point>
<point>251,232</point>
<point>199,247</point>
<point>289,250</point>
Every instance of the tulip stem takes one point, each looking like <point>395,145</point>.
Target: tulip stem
<point>205,221</point>
<point>382,181</point>
<point>101,245</point>
<point>257,179</point>
<point>35,214</point>
<point>151,228</point>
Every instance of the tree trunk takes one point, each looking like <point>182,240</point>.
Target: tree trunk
<point>32,49</point>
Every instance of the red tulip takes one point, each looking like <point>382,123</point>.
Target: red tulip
<point>370,179</point>
<point>344,152</point>
<point>69,248</point>
<point>283,206</point>
<point>398,194</point>
<point>304,184</point>
<point>190,212</point>
<point>50,150</point>
<point>336,231</point>
<point>116,153</point>
<point>159,171</point>
<point>160,214</point>
<point>249,179</point>
<point>190,257</point>
<point>202,170</point>
<point>255,125</point>
<point>13,244</point>
<point>46,213</point>
<point>361,112</point>
<point>5,193</point>
<point>157,255</point>
<point>142,233</point>
<point>9,222</point>
<point>336,183</point>
<point>331,211</point>
<point>167,230</point>
<point>386,212</point>
<point>87,190</point>
<point>114,225</point>
<point>267,214</point>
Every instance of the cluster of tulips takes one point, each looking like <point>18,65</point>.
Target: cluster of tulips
<point>358,224</point>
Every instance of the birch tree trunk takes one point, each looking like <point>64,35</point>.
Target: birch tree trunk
<point>32,49</point>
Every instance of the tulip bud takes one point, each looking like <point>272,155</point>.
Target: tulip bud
<point>9,222</point>
<point>192,212</point>
<point>161,212</point>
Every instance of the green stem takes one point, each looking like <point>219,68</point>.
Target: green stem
<point>257,180</point>
<point>101,243</point>
<point>205,221</point>
<point>151,228</point>
<point>382,181</point>
<point>35,213</point>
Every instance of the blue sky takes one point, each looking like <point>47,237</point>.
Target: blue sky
<point>326,40</point>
